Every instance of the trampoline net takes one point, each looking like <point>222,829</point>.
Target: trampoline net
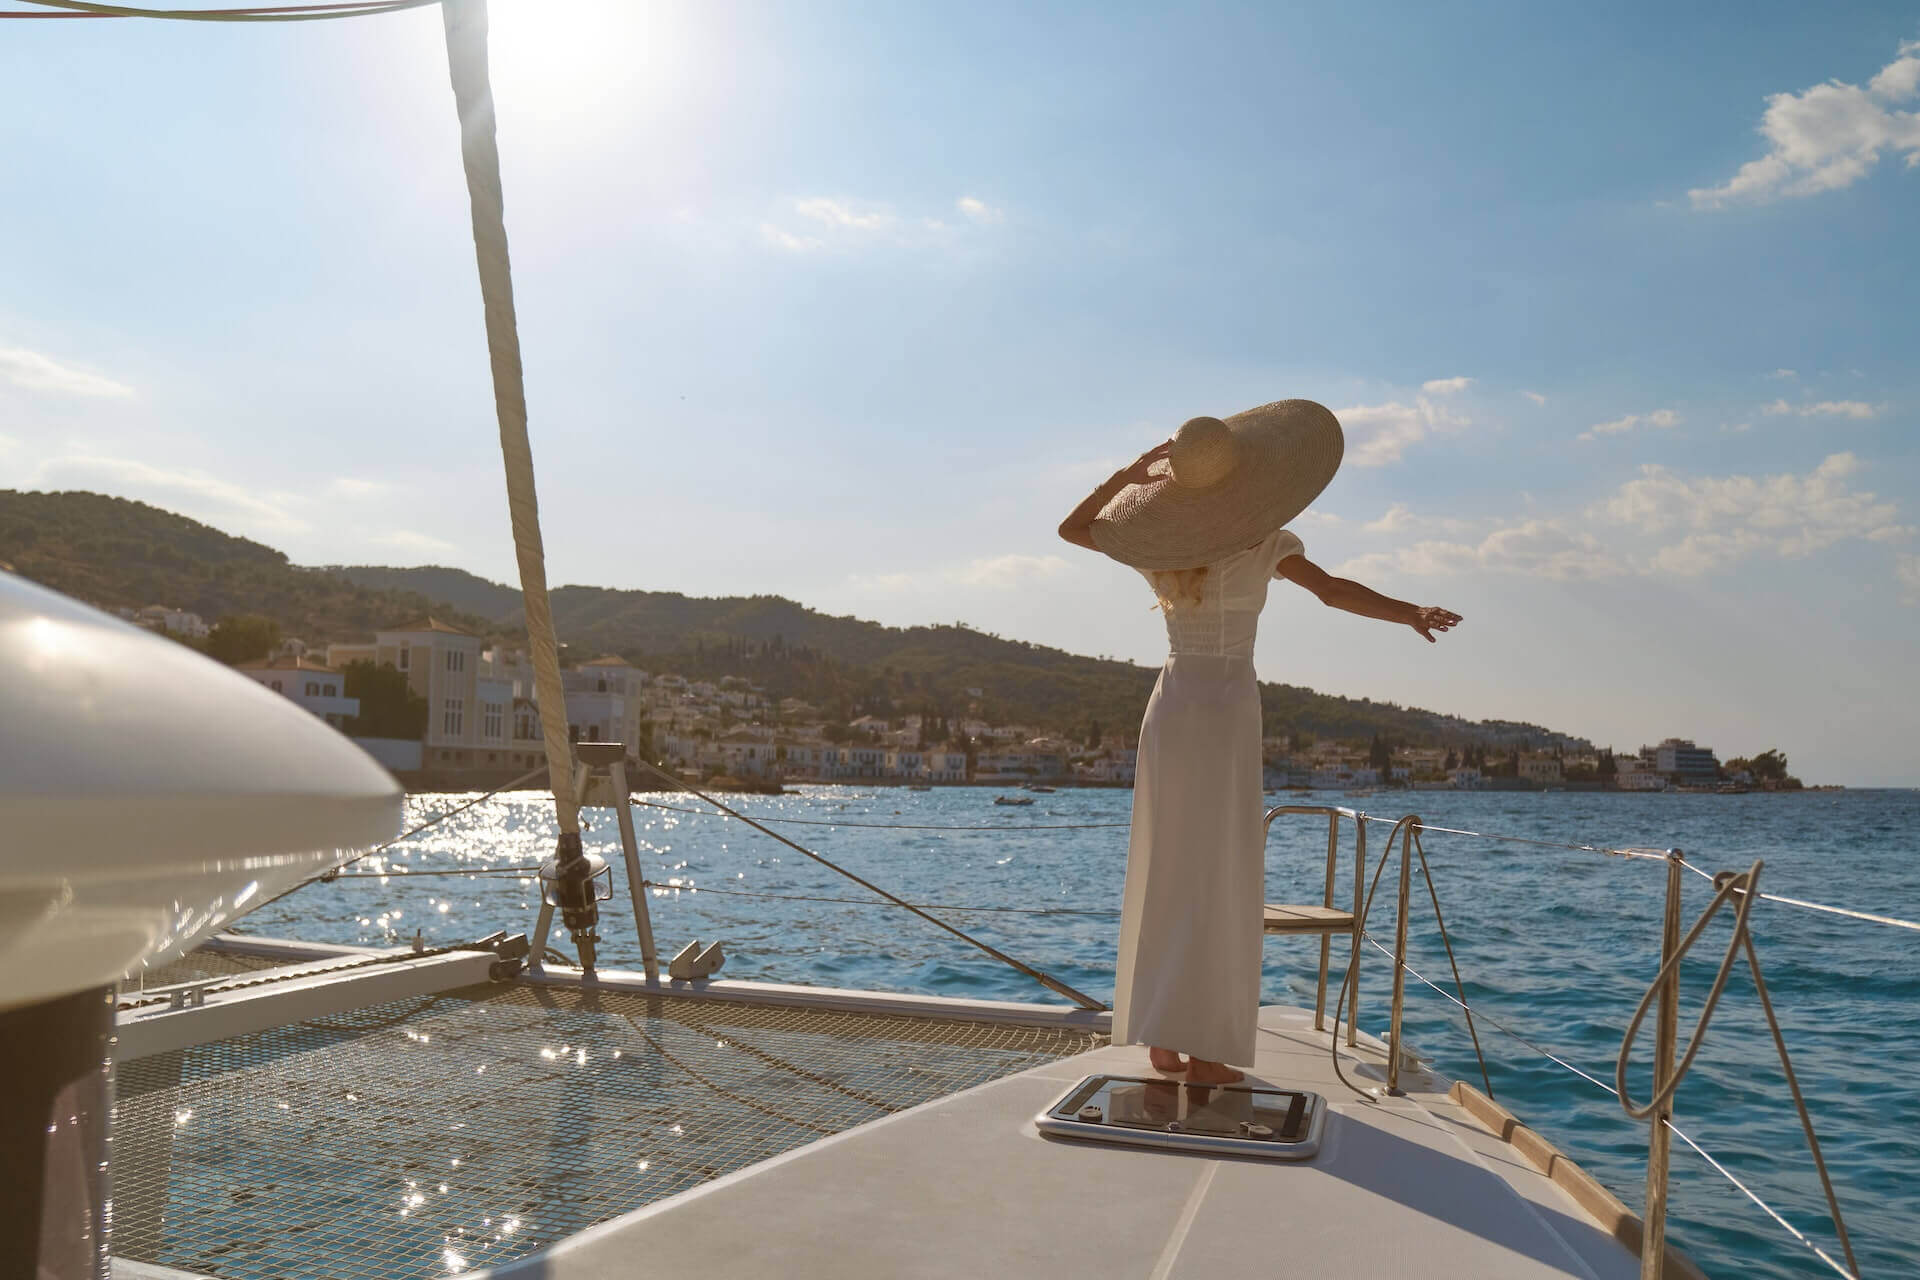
<point>428,1137</point>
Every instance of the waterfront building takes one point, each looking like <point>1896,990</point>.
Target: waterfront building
<point>467,718</point>
<point>1541,769</point>
<point>1465,778</point>
<point>745,755</point>
<point>1631,774</point>
<point>1679,760</point>
<point>314,685</point>
<point>946,764</point>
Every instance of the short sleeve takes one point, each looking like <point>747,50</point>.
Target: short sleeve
<point>1285,543</point>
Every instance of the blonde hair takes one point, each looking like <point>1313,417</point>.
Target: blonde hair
<point>1178,586</point>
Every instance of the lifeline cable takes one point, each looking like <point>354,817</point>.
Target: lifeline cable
<point>1051,983</point>
<point>1745,885</point>
<point>263,13</point>
<point>1602,1085</point>
<point>883,826</point>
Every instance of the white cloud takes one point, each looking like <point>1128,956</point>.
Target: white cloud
<point>354,488</point>
<point>1666,523</point>
<point>1534,396</point>
<point>36,372</point>
<point>1009,570</point>
<point>813,223</point>
<point>1445,386</point>
<point>1736,428</point>
<point>1398,517</point>
<point>1827,137</point>
<point>979,210</point>
<point>1824,409</point>
<point>991,573</point>
<point>1783,373</point>
<point>1725,518</point>
<point>1535,548</point>
<point>839,213</point>
<point>1662,418</point>
<point>413,543</point>
<point>193,493</point>
<point>1379,433</point>
<point>783,239</point>
<point>1906,568</point>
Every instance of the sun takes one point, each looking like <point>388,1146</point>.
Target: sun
<point>575,63</point>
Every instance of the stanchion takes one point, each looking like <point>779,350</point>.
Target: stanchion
<point>1653,1240</point>
<point>1400,954</point>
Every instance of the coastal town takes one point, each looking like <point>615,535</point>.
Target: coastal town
<point>479,725</point>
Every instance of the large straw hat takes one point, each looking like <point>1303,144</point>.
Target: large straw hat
<point>1223,486</point>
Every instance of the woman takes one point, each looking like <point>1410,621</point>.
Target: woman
<point>1203,516</point>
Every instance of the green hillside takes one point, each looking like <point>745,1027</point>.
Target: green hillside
<point>114,552</point>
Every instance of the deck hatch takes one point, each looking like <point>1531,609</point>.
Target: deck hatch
<point>1240,1119</point>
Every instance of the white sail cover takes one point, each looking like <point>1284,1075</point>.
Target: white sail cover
<point>149,795</point>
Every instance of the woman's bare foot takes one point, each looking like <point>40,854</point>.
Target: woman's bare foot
<point>1166,1060</point>
<point>1203,1071</point>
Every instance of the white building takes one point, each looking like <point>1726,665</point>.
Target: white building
<point>469,711</point>
<point>175,622</point>
<point>315,686</point>
<point>906,762</point>
<point>744,755</point>
<point>946,764</point>
<point>1541,769</point>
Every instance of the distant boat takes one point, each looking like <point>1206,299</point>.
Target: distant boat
<point>1035,786</point>
<point>1013,799</point>
<point>919,786</point>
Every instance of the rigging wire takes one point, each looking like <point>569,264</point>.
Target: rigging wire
<point>1598,1083</point>
<point>1108,912</point>
<point>1661,855</point>
<point>1727,885</point>
<point>881,826</point>
<point>1046,980</point>
<point>262,13</point>
<point>1868,916</point>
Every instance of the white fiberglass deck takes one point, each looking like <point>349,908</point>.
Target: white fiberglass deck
<point>965,1187</point>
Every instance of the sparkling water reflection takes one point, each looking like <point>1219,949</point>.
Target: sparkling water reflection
<point>1558,944</point>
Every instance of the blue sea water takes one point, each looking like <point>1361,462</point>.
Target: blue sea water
<point>1556,944</point>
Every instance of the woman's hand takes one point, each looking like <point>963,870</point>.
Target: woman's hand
<point>1428,619</point>
<point>1077,528</point>
<point>1138,471</point>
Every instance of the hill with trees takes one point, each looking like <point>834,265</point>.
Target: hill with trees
<point>115,552</point>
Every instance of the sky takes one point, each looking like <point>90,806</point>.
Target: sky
<point>852,303</point>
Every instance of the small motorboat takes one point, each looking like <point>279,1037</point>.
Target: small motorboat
<point>1013,799</point>
<point>919,786</point>
<point>1037,787</point>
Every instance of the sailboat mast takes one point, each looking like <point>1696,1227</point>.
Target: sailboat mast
<point>466,28</point>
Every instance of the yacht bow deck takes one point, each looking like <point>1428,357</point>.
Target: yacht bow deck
<point>965,1187</point>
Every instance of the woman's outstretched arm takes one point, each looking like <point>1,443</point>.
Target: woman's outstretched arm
<point>1344,593</point>
<point>1077,528</point>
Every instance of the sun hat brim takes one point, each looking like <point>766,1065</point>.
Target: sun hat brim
<point>1285,454</point>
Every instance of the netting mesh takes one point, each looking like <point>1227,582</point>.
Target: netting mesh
<point>429,1136</point>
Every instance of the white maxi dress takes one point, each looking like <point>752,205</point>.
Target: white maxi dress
<point>1188,976</point>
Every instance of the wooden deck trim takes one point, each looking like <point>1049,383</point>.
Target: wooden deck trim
<point>1607,1209</point>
